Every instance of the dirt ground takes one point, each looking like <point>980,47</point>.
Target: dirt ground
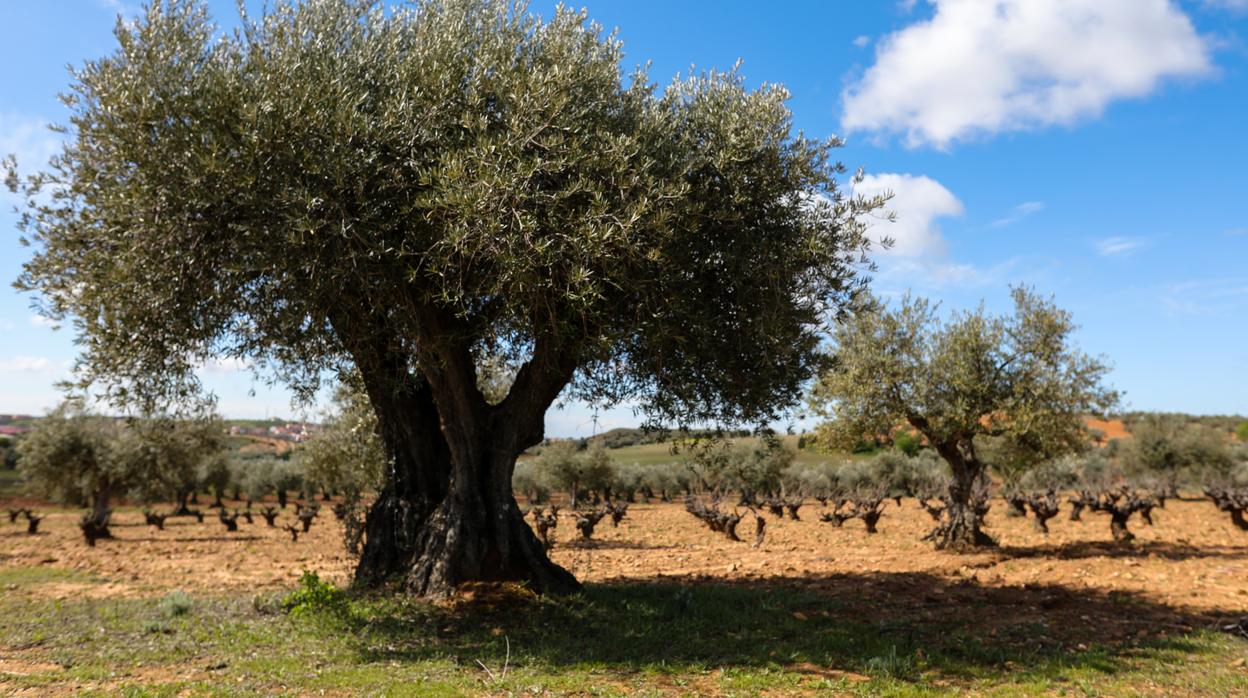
<point>1192,560</point>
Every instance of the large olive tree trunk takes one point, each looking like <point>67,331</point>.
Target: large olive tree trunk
<point>446,514</point>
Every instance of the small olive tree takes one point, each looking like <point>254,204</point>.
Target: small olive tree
<point>348,456</point>
<point>960,382</point>
<point>168,458</point>
<point>76,458</point>
<point>565,466</point>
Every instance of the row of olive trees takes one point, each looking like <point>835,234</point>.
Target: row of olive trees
<point>75,457</point>
<point>752,468</point>
<point>83,459</point>
<point>588,474</point>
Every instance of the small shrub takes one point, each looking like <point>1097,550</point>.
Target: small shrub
<point>892,665</point>
<point>157,627</point>
<point>314,596</point>
<point>175,604</point>
<point>908,443</point>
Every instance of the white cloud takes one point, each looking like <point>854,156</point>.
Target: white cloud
<point>919,256</point>
<point>1119,246</point>
<point>918,202</point>
<point>862,41</point>
<point>220,367</point>
<point>29,139</point>
<point>41,321</point>
<point>30,364</point>
<point>1018,213</point>
<point>895,277</point>
<point>980,67</point>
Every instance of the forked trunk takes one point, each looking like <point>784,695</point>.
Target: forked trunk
<point>447,515</point>
<point>476,532</point>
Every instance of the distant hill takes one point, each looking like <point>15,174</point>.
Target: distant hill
<point>624,437</point>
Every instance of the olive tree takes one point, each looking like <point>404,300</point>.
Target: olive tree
<point>347,455</point>
<point>167,458</point>
<point>562,464</point>
<point>959,382</point>
<point>416,192</point>
<point>73,457</point>
<point>76,457</point>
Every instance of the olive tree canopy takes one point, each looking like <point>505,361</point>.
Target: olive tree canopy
<point>1016,381</point>
<point>417,191</point>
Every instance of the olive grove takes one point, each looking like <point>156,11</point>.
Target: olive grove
<point>419,193</point>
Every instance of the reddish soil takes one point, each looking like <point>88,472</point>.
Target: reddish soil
<point>1192,559</point>
<point>1109,429</point>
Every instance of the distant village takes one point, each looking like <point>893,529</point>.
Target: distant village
<point>15,424</point>
<point>298,432</point>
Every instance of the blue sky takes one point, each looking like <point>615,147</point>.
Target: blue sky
<point>1094,149</point>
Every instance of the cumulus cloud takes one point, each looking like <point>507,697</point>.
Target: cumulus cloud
<point>979,67</point>
<point>920,254</point>
<point>918,203</point>
<point>1119,246</point>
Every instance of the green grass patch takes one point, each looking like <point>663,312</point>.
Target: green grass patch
<point>19,577</point>
<point>626,639</point>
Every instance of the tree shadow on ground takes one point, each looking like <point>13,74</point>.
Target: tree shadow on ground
<point>897,625</point>
<point>1166,550</point>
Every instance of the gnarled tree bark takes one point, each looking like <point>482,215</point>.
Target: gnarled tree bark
<point>960,531</point>
<point>447,514</point>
